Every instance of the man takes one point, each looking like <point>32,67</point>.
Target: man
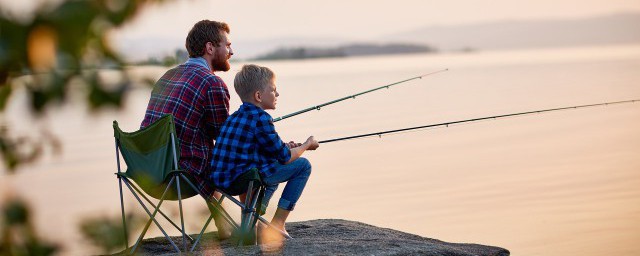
<point>198,100</point>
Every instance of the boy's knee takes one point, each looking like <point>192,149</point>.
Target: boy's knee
<point>305,164</point>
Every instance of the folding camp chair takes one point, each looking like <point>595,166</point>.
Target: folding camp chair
<point>151,155</point>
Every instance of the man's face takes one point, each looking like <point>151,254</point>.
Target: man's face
<point>221,54</point>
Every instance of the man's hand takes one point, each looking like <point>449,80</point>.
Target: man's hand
<point>312,143</point>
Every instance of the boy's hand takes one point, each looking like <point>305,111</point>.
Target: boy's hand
<point>293,144</point>
<point>312,143</point>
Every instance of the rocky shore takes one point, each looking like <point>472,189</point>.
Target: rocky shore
<point>331,237</point>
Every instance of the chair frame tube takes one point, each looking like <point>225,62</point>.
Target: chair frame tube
<point>262,219</point>
<point>184,240</point>
<point>159,211</point>
<point>152,217</point>
<point>216,206</point>
<point>175,165</point>
<point>246,212</point>
<point>124,220</point>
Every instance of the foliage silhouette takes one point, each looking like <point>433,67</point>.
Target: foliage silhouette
<point>59,46</point>
<point>62,46</point>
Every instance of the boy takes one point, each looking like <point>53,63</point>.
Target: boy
<point>248,140</point>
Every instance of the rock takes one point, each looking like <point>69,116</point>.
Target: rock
<point>331,237</point>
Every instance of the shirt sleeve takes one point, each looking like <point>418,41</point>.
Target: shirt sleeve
<point>216,107</point>
<point>269,140</point>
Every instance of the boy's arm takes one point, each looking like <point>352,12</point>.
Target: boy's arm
<point>310,144</point>
<point>268,141</point>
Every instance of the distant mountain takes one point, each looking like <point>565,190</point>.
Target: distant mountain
<point>141,49</point>
<point>343,51</point>
<point>247,49</point>
<point>611,29</point>
<point>391,48</point>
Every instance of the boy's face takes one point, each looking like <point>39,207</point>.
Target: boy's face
<point>269,96</point>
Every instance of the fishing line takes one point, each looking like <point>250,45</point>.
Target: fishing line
<point>318,107</point>
<point>447,124</point>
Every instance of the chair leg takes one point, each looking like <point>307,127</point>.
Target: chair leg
<point>193,247</point>
<point>216,204</point>
<point>213,205</point>
<point>152,217</point>
<point>222,212</point>
<point>184,239</point>
<point>124,221</point>
<point>258,201</point>
<point>244,221</point>
<point>160,211</point>
<point>263,220</point>
<point>253,211</point>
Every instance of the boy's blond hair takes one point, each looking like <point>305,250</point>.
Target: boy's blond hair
<point>250,79</point>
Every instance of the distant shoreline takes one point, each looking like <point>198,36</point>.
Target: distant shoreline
<point>362,49</point>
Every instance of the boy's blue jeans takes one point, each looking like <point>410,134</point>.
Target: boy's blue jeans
<point>296,175</point>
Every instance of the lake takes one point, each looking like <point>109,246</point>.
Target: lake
<point>559,183</point>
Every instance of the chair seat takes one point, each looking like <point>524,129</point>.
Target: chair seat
<point>155,190</point>
<point>241,183</point>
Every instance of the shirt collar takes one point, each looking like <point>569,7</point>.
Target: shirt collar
<point>250,106</point>
<point>198,61</point>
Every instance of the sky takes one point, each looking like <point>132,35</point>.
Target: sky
<point>251,20</point>
<point>353,20</point>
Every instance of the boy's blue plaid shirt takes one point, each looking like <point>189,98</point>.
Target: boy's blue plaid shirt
<point>248,139</point>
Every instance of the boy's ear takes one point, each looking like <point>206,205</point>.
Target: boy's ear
<point>257,96</point>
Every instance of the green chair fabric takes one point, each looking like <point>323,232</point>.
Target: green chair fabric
<point>149,157</point>
<point>241,184</point>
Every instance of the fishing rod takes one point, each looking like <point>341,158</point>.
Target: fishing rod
<point>317,107</point>
<point>473,120</point>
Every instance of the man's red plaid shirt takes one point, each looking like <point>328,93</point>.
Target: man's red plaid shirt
<point>199,102</point>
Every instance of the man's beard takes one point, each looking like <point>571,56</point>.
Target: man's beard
<point>221,64</point>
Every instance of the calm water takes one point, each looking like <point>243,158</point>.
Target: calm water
<point>562,183</point>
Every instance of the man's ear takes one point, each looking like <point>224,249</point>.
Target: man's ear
<point>209,48</point>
